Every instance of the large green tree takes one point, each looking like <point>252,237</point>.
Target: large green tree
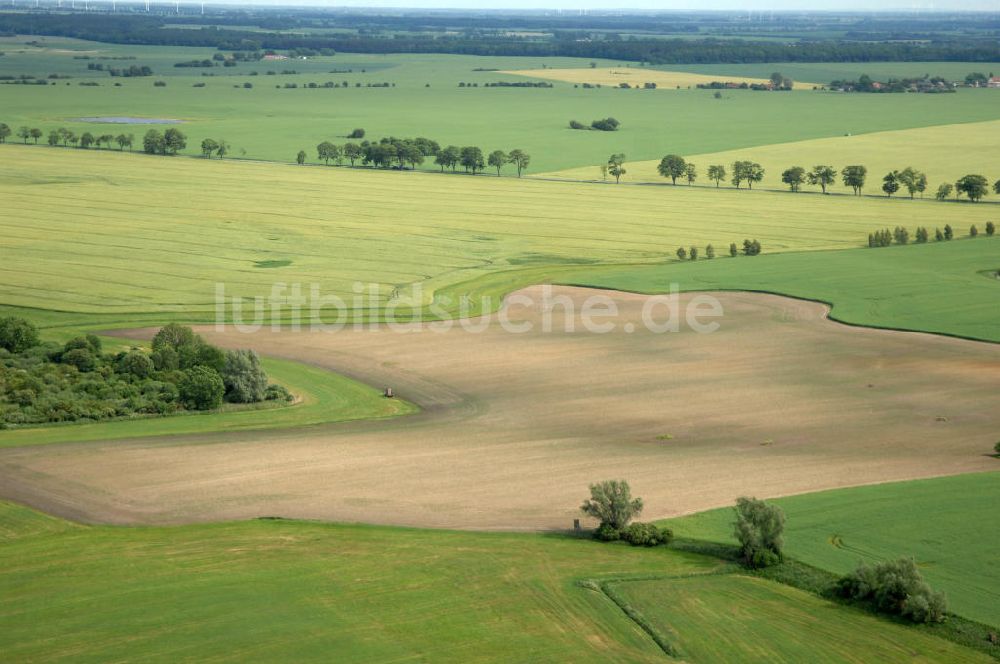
<point>616,166</point>
<point>822,175</point>
<point>973,186</point>
<point>672,166</point>
<point>747,171</point>
<point>612,503</point>
<point>794,177</point>
<point>717,173</point>
<point>913,180</point>
<point>472,159</point>
<point>520,159</point>
<point>759,529</point>
<point>498,159</point>
<point>854,177</point>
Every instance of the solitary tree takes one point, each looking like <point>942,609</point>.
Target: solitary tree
<point>733,250</point>
<point>223,148</point>
<point>709,251</point>
<point>794,177</point>
<point>822,175</point>
<point>520,159</point>
<point>36,133</point>
<point>948,232</point>
<point>717,173</point>
<point>854,177</point>
<point>996,187</point>
<point>943,192</point>
<point>53,138</point>
<point>616,166</point>
<point>4,132</point>
<point>672,166</point>
<point>86,140</point>
<point>498,159</point>
<point>759,529</point>
<point>681,253</point>
<point>973,186</point>
<point>890,183</point>
<point>973,231</point>
<point>123,140</point>
<point>991,228</point>
<point>693,253</point>
<point>300,158</point>
<point>611,502</point>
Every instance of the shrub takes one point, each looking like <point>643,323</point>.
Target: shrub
<point>896,587</point>
<point>573,124</point>
<point>17,334</point>
<point>996,448</point>
<point>89,342</point>
<point>607,124</point>
<point>357,133</point>
<point>759,528</point>
<point>136,363</point>
<point>201,388</point>
<point>990,228</point>
<point>243,377</point>
<point>81,358</point>
<point>277,393</point>
<point>646,534</point>
<point>606,533</point>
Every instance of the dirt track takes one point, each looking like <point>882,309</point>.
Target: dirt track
<point>778,401</point>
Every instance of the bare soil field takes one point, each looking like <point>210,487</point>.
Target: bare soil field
<point>514,427</point>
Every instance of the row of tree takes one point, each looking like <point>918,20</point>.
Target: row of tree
<point>675,167</point>
<point>900,235</point>
<point>401,153</point>
<point>750,248</point>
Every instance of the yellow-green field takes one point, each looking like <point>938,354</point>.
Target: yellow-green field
<point>122,234</point>
<point>638,76</point>
<point>944,152</point>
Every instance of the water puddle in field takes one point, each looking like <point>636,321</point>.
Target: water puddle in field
<point>124,119</point>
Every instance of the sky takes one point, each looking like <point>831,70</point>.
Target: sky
<point>737,5</point>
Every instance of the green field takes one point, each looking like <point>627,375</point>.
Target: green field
<point>274,124</point>
<point>949,525</point>
<point>266,590</point>
<point>741,620</point>
<point>944,287</point>
<point>99,211</point>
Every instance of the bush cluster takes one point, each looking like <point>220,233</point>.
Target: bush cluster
<point>44,382</point>
<point>895,587</point>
